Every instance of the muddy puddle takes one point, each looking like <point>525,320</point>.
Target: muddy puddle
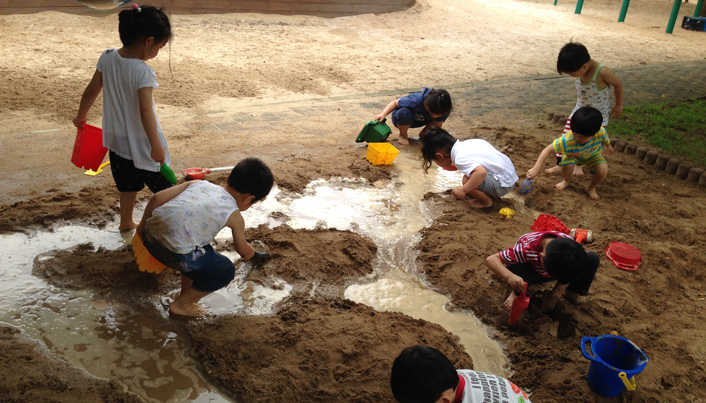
<point>114,341</point>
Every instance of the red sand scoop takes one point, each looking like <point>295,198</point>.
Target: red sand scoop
<point>519,305</point>
<point>200,173</point>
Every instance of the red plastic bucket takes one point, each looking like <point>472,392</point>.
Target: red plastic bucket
<point>624,256</point>
<point>88,148</point>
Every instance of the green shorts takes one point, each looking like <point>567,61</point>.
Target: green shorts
<point>590,162</point>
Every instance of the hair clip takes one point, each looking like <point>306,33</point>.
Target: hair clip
<point>136,7</point>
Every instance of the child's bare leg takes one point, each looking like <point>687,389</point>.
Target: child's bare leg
<point>573,297</point>
<point>601,173</point>
<point>510,298</point>
<point>186,303</point>
<point>549,298</point>
<point>566,172</point>
<point>127,204</point>
<point>578,170</point>
<point>403,135</point>
<point>479,199</point>
<point>556,168</point>
<point>553,170</point>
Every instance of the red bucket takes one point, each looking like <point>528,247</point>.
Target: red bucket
<point>624,256</point>
<point>88,148</point>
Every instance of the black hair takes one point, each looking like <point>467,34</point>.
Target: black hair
<point>136,25</point>
<point>571,57</point>
<point>586,121</point>
<point>251,176</point>
<point>422,374</point>
<point>436,140</point>
<point>438,102</point>
<point>565,260</point>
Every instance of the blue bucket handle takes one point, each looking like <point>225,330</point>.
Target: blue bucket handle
<point>588,354</point>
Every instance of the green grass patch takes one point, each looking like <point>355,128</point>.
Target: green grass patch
<point>677,128</point>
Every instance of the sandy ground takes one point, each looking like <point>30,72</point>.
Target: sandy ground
<point>326,348</point>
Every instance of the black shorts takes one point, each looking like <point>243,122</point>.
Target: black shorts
<point>131,179</point>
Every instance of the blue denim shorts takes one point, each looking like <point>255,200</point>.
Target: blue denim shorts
<point>209,270</point>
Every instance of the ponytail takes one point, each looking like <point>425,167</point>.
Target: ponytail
<point>436,140</point>
<point>438,102</point>
<point>139,23</point>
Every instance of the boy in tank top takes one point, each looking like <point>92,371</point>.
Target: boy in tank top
<point>179,224</point>
<point>593,81</point>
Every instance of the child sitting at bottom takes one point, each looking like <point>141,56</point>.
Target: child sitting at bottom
<point>583,145</point>
<point>179,224</point>
<point>593,81</point>
<point>423,374</point>
<point>487,173</point>
<point>420,109</point>
<point>540,257</point>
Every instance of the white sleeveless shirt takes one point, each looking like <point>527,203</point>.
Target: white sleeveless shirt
<point>193,218</point>
<point>589,95</point>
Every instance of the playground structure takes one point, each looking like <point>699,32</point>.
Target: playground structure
<point>319,8</point>
<point>626,4</point>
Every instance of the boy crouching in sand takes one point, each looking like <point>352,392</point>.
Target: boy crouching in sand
<point>179,224</point>
<point>423,374</point>
<point>540,257</point>
<point>583,145</point>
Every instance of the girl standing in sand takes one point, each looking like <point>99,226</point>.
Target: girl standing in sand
<point>131,130</point>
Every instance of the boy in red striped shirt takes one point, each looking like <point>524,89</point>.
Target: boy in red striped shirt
<point>541,257</point>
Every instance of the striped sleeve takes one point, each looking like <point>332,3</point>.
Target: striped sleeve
<point>559,145</point>
<point>508,256</point>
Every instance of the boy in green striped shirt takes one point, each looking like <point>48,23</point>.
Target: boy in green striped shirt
<point>583,145</point>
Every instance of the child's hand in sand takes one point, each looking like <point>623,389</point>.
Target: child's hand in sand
<point>459,193</point>
<point>609,149</point>
<point>532,172</point>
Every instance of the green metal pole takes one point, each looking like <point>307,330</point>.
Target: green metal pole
<point>697,11</point>
<point>579,6</point>
<point>673,17</point>
<point>558,0</point>
<point>624,10</point>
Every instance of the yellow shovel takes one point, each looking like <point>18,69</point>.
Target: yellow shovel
<point>91,172</point>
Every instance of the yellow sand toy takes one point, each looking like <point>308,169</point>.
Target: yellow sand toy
<point>145,261</point>
<point>507,212</point>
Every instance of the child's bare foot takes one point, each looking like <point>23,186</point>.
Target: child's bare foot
<point>508,302</point>
<point>573,297</point>
<point>127,227</point>
<point>593,195</point>
<point>561,185</point>
<point>475,203</point>
<point>403,141</point>
<point>578,170</point>
<point>553,170</point>
<point>191,310</point>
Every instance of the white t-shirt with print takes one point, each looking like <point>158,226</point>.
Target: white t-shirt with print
<point>468,155</point>
<point>481,387</point>
<point>123,132</point>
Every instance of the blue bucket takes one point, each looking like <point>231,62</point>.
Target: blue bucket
<point>615,361</point>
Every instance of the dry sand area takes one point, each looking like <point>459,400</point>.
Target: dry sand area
<point>319,347</point>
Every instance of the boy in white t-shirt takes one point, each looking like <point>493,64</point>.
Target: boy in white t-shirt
<point>487,173</point>
<point>179,224</point>
<point>423,374</point>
